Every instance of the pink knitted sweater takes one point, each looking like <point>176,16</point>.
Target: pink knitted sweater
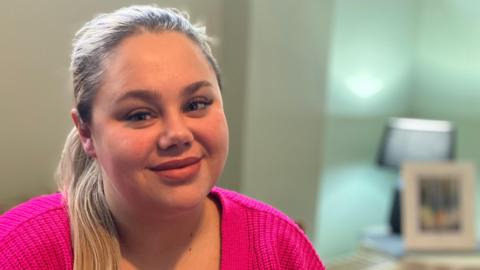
<point>36,235</point>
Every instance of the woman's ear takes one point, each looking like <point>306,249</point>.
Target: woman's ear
<point>84,133</point>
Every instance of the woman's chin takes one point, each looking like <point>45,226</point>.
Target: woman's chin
<point>180,199</point>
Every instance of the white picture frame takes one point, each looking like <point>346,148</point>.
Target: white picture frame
<point>438,206</point>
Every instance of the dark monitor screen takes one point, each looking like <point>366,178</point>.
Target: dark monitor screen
<point>416,140</point>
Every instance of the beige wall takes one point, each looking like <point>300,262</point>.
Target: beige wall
<point>284,112</point>
<point>234,74</point>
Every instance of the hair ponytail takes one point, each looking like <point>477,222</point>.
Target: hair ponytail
<point>93,232</point>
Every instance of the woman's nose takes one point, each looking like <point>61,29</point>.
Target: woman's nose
<point>175,134</point>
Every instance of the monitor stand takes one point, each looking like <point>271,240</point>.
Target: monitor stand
<point>396,209</point>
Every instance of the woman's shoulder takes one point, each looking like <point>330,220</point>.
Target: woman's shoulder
<point>35,231</point>
<point>44,208</point>
<point>267,231</point>
<point>232,199</point>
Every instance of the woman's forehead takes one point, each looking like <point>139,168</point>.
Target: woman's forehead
<point>157,60</point>
<point>166,45</point>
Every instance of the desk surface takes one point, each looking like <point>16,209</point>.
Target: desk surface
<point>387,253</point>
<point>365,259</point>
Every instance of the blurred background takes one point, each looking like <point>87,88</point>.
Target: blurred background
<point>309,87</point>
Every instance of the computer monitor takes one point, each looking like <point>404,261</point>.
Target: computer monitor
<point>406,139</point>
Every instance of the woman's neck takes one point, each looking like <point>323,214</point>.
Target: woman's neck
<point>167,241</point>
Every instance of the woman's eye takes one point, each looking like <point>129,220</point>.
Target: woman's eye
<point>196,105</point>
<point>139,116</point>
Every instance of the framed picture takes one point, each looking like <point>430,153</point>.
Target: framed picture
<point>438,206</point>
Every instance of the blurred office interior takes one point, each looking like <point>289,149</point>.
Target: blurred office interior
<point>308,88</point>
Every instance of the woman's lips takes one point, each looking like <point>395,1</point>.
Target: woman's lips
<point>179,169</point>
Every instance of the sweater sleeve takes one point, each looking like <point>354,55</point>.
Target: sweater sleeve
<point>257,236</point>
<point>295,250</point>
<point>33,236</point>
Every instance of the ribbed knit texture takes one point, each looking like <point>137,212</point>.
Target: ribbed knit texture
<point>36,235</point>
<point>257,236</point>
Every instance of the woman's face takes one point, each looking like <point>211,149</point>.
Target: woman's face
<point>158,128</point>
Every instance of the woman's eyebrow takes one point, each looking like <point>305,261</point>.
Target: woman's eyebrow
<point>141,94</point>
<point>147,95</point>
<point>194,87</point>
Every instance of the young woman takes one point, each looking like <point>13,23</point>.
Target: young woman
<point>139,168</point>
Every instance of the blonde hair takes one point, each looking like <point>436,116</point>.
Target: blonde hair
<point>93,232</point>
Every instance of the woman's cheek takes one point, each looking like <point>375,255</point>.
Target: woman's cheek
<point>139,146</point>
<point>222,127</point>
<point>218,134</point>
<point>131,146</point>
